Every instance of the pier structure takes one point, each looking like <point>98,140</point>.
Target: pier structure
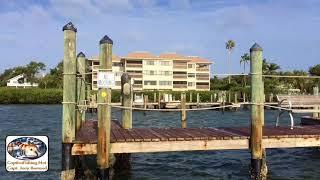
<point>106,138</point>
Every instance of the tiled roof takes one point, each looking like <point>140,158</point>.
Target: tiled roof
<point>140,55</point>
<point>171,56</point>
<point>198,59</point>
<point>115,58</point>
<point>147,55</point>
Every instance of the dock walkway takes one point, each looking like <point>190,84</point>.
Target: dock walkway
<point>142,140</point>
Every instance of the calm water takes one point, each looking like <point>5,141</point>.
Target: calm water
<point>46,120</point>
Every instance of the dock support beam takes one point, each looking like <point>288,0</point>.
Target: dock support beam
<point>183,110</point>
<point>69,101</point>
<point>126,93</point>
<point>81,89</point>
<point>257,112</point>
<point>104,111</point>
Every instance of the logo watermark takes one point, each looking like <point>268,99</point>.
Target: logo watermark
<point>27,153</point>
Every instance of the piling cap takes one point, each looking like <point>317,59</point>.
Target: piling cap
<point>106,40</point>
<point>69,26</point>
<point>256,47</point>
<point>81,54</point>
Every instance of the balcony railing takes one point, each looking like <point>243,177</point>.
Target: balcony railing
<point>137,85</point>
<point>180,76</point>
<point>134,65</point>
<point>202,69</point>
<point>178,66</point>
<point>202,78</point>
<point>135,75</point>
<point>202,86</point>
<point>179,85</point>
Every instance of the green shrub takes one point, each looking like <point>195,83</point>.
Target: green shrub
<point>30,96</point>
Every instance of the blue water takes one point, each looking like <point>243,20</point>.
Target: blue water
<point>297,163</point>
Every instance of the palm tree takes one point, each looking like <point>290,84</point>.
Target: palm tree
<point>244,60</point>
<point>229,46</point>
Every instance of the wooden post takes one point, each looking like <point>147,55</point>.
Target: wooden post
<point>235,97</point>
<point>154,97</point>
<point>211,97</point>
<point>183,110</point>
<point>198,100</point>
<point>104,110</point>
<point>257,112</point>
<point>81,89</point>
<point>159,100</point>
<point>244,97</point>
<point>316,93</point>
<point>145,101</point>
<point>126,92</point>
<point>190,97</point>
<point>69,101</point>
<point>229,96</point>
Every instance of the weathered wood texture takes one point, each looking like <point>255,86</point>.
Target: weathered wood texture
<point>69,87</point>
<point>188,139</point>
<point>257,97</point>
<point>126,93</point>
<point>104,109</point>
<point>81,88</point>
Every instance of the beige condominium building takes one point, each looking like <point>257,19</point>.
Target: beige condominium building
<point>167,71</point>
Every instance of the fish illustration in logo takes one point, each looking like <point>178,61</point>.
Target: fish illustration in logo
<point>26,149</point>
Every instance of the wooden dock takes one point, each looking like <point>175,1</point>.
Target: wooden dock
<point>143,140</point>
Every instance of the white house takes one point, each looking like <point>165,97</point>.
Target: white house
<point>20,81</point>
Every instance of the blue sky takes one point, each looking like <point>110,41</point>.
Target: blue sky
<point>288,30</point>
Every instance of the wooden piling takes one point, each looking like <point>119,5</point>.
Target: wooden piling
<point>183,110</point>
<point>69,101</point>
<point>126,93</point>
<point>145,101</point>
<point>104,111</point>
<point>190,97</point>
<point>81,89</point>
<point>198,100</point>
<point>154,97</point>
<point>159,100</point>
<point>235,97</point>
<point>316,93</point>
<point>257,112</point>
<point>211,97</point>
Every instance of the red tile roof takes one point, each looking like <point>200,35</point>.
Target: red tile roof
<point>115,58</point>
<point>140,55</point>
<point>171,56</point>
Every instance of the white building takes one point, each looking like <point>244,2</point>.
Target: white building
<point>20,81</point>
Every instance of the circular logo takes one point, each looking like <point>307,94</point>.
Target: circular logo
<point>26,148</point>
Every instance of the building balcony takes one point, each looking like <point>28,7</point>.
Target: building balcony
<point>135,75</point>
<point>180,66</point>
<point>134,65</point>
<point>203,78</point>
<point>202,69</point>
<point>137,86</point>
<point>203,87</point>
<point>180,76</point>
<point>178,86</point>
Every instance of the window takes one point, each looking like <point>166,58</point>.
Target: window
<point>191,75</point>
<point>152,73</point>
<point>191,83</point>
<point>165,83</point>
<point>150,82</point>
<point>165,63</point>
<point>190,66</point>
<point>137,82</point>
<point>165,73</point>
<point>151,63</point>
<point>118,74</point>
